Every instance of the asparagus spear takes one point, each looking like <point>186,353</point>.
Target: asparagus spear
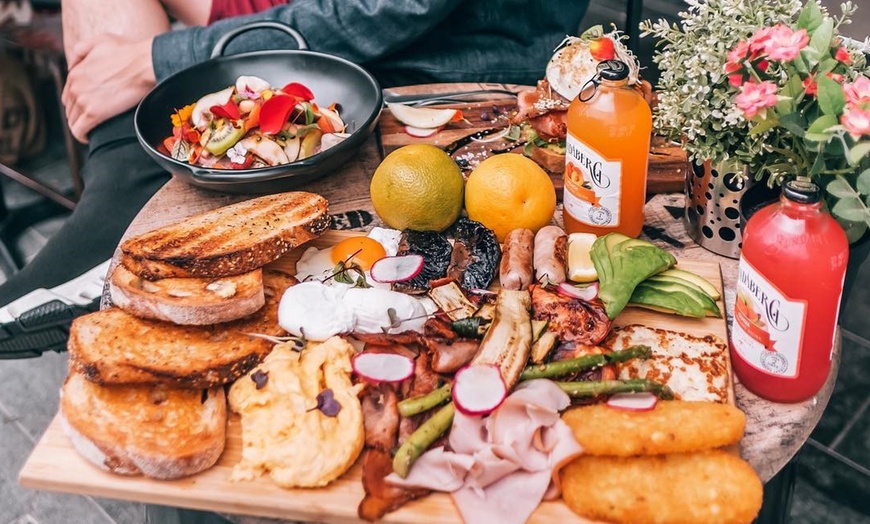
<point>420,440</point>
<point>594,388</point>
<point>567,367</point>
<point>415,405</point>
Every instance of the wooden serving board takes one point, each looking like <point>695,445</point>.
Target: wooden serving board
<point>668,163</point>
<point>55,465</point>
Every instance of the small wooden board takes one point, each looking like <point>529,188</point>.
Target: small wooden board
<point>668,163</point>
<point>54,464</point>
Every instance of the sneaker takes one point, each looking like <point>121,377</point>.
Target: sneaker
<point>40,320</point>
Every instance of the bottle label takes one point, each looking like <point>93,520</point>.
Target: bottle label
<point>592,185</point>
<point>768,327</point>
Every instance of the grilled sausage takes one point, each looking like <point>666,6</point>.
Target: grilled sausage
<point>551,254</point>
<point>515,269</point>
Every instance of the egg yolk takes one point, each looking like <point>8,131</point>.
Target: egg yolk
<point>364,250</point>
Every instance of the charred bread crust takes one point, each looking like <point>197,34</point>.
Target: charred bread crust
<point>123,429</point>
<point>188,301</point>
<point>228,241</point>
<point>113,347</point>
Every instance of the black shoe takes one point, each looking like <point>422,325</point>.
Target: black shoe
<point>40,321</point>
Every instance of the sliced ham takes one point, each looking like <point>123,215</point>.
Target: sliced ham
<point>500,467</point>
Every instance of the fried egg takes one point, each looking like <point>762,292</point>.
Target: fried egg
<point>319,264</point>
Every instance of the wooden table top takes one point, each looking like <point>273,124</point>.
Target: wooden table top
<point>774,432</point>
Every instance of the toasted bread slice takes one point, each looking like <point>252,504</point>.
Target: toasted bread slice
<point>114,347</point>
<point>188,301</point>
<point>155,431</point>
<point>230,240</point>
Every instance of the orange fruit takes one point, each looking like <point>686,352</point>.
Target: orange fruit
<point>510,191</point>
<point>417,187</point>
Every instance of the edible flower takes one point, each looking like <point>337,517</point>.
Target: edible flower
<point>182,115</point>
<point>229,110</point>
<point>274,113</point>
<point>327,404</point>
<point>299,91</point>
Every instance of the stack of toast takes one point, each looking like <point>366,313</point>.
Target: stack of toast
<point>145,391</point>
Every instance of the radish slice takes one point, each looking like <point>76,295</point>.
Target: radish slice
<point>588,292</point>
<point>383,367</point>
<point>478,389</point>
<point>396,269</point>
<point>633,401</point>
<point>421,132</point>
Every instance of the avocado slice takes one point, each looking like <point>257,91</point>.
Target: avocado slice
<point>622,263</point>
<point>665,287</point>
<point>703,295</point>
<point>698,280</point>
<point>674,301</point>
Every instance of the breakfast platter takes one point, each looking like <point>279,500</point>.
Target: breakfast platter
<point>55,465</point>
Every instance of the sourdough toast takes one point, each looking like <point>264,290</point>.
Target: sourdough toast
<point>188,301</point>
<point>230,240</point>
<point>155,431</point>
<point>113,347</point>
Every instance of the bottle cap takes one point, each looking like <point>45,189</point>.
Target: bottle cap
<point>613,70</point>
<point>802,191</point>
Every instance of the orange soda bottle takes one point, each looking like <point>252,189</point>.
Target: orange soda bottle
<point>607,152</point>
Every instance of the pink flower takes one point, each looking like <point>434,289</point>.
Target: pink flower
<point>856,120</point>
<point>735,80</point>
<point>810,85</point>
<point>739,52</point>
<point>785,44</point>
<point>758,41</point>
<point>842,55</point>
<point>857,92</point>
<point>755,97</point>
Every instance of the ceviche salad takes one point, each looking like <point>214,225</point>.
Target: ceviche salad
<point>252,124</point>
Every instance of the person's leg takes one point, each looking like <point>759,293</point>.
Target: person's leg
<point>119,178</point>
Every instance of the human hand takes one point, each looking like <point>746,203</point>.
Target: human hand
<point>107,76</point>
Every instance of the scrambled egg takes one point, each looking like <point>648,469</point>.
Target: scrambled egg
<point>283,432</point>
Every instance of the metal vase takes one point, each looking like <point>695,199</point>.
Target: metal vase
<point>713,195</point>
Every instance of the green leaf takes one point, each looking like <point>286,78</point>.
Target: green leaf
<point>863,182</point>
<point>826,66</point>
<point>763,126</point>
<point>858,152</point>
<point>831,97</point>
<point>800,63</point>
<point>851,209</point>
<point>821,36</point>
<point>810,17</point>
<point>794,123</point>
<point>818,165</point>
<point>840,188</point>
<point>811,55</point>
<point>817,137</point>
<point>821,124</point>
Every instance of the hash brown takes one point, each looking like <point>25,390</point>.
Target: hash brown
<point>674,426</point>
<point>709,487</point>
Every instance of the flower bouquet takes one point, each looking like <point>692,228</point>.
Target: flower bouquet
<point>807,96</point>
<point>771,86</point>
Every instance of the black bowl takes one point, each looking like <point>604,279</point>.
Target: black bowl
<point>330,78</point>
